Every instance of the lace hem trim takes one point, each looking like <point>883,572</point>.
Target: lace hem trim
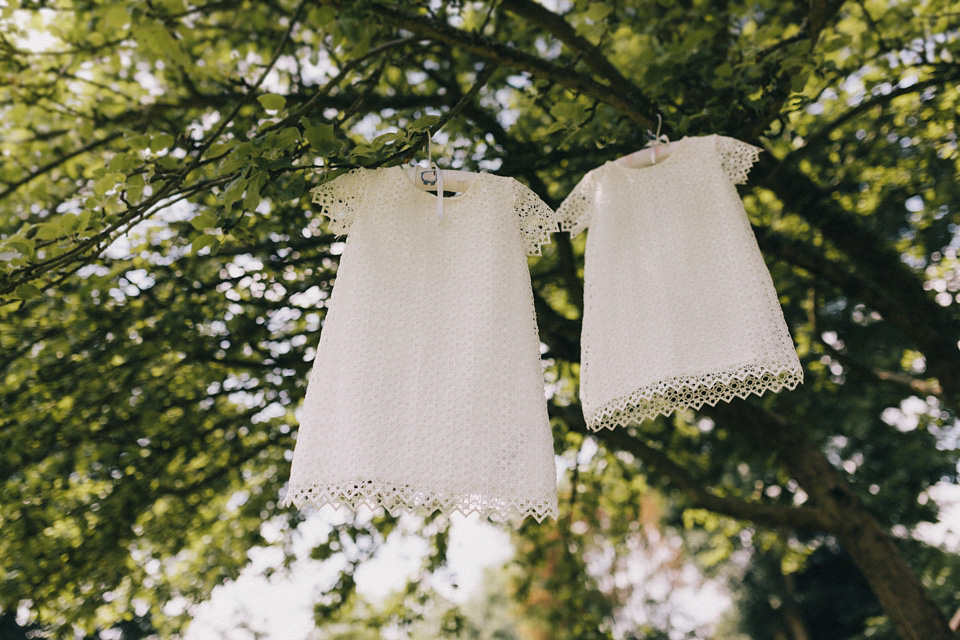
<point>404,498</point>
<point>691,392</point>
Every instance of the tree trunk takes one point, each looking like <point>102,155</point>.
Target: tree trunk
<point>901,594</point>
<point>792,619</point>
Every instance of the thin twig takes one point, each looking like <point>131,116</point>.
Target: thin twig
<point>482,78</point>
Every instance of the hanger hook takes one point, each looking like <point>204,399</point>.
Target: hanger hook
<point>657,140</point>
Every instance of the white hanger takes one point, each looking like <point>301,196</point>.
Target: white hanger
<point>433,178</point>
<point>658,148</point>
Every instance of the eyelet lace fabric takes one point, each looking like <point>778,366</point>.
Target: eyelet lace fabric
<point>340,198</point>
<point>427,388</point>
<point>679,307</point>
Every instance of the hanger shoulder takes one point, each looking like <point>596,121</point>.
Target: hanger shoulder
<point>425,178</point>
<point>644,157</point>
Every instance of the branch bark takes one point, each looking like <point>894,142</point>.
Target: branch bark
<point>168,189</point>
<point>53,164</point>
<point>901,594</point>
<point>593,57</point>
<point>820,13</point>
<point>509,57</point>
<point>883,100</point>
<point>933,328</point>
<point>770,515</point>
<point>902,380</point>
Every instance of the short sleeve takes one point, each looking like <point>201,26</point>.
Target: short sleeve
<point>535,218</point>
<point>340,198</point>
<point>736,157</point>
<point>576,210</point>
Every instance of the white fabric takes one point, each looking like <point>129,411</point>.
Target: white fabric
<point>679,307</point>
<point>427,389</point>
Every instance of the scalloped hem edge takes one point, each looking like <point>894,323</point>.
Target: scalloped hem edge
<point>395,500</point>
<point>665,397</point>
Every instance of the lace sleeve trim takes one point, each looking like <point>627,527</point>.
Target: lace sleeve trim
<point>576,211</point>
<point>535,218</point>
<point>737,158</point>
<point>340,198</point>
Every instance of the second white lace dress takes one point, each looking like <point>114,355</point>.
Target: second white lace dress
<point>427,389</point>
<point>679,307</point>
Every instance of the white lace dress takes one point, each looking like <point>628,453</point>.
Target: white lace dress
<point>679,307</point>
<point>427,389</point>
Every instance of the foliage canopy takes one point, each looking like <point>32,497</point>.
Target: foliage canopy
<point>164,282</point>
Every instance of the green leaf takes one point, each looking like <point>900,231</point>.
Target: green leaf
<point>272,101</point>
<point>69,222</point>
<point>50,231</point>
<point>324,15</point>
<point>556,126</point>
<point>205,220</point>
<point>203,242</point>
<point>321,137</point>
<point>116,16</point>
<point>23,246</point>
<point>293,189</point>
<point>161,142</point>
<point>238,158</point>
<point>598,11</point>
<point>836,42</point>
<point>138,142</point>
<point>220,148</point>
<point>286,138</point>
<point>251,200</point>
<point>563,110</point>
<point>104,184</point>
<point>134,187</point>
<point>799,81</point>
<point>83,221</point>
<point>423,122</point>
<point>364,151</point>
<point>386,138</point>
<point>122,162</point>
<point>233,191</point>
<point>26,291</point>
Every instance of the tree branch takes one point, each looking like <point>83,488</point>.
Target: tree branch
<point>770,515</point>
<point>482,79</point>
<point>902,380</point>
<point>53,164</point>
<point>513,58</point>
<point>592,56</point>
<point>820,13</point>
<point>851,283</point>
<point>818,138</point>
<point>933,328</point>
<point>901,594</point>
<point>776,516</point>
<point>31,272</point>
